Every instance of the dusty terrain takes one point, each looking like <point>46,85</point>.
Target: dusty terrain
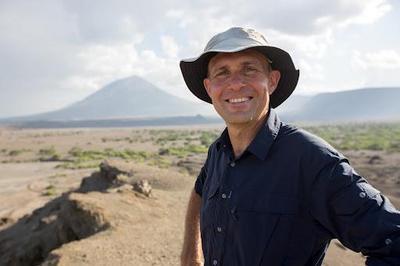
<point>50,216</point>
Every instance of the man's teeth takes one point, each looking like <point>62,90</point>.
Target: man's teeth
<point>239,100</point>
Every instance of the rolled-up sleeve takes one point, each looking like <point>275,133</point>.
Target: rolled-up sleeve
<point>357,214</point>
<point>198,186</point>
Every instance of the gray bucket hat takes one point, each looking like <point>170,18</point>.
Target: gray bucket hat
<point>194,70</point>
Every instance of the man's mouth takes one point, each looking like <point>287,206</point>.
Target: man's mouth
<point>239,100</point>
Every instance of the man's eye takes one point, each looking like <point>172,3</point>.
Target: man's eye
<point>221,73</point>
<point>250,69</point>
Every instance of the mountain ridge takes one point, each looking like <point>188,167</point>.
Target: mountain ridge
<point>135,98</point>
<point>366,104</point>
<point>127,97</point>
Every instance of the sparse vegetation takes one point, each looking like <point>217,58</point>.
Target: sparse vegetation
<point>371,136</point>
<point>49,154</point>
<point>183,151</point>
<point>49,191</point>
<point>81,159</point>
<point>13,153</point>
<point>167,146</point>
<point>79,155</point>
<point>78,165</point>
<point>58,175</point>
<point>208,137</point>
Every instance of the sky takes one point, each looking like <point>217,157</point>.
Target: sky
<point>56,52</point>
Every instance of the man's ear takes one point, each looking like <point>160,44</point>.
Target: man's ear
<point>273,80</point>
<point>206,83</point>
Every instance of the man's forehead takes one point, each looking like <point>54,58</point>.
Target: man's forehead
<point>249,55</point>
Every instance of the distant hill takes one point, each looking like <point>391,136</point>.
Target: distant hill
<point>370,104</point>
<point>135,102</point>
<point>124,98</point>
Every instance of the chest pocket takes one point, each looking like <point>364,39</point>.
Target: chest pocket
<point>207,214</point>
<point>262,228</point>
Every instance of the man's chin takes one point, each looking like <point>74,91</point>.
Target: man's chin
<point>239,120</point>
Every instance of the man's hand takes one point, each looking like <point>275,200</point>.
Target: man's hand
<point>191,252</point>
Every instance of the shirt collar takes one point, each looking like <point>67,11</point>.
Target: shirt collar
<point>263,140</point>
<point>223,140</point>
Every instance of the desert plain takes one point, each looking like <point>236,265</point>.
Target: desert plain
<point>67,196</point>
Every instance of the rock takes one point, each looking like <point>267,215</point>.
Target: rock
<point>113,173</point>
<point>375,159</point>
<point>65,219</point>
<point>121,179</point>
<point>5,220</point>
<point>110,169</point>
<point>143,186</point>
<point>121,189</point>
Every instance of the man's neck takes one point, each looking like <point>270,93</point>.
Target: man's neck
<point>241,135</point>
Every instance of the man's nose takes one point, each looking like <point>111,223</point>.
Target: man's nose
<point>236,81</point>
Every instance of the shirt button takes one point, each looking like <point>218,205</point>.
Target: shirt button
<point>388,241</point>
<point>362,194</point>
<point>215,262</point>
<point>232,164</point>
<point>223,196</point>
<point>219,229</point>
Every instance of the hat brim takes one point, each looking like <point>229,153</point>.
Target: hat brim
<point>194,71</point>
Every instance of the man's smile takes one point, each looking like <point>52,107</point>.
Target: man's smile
<point>239,100</point>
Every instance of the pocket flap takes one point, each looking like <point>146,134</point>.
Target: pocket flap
<point>212,191</point>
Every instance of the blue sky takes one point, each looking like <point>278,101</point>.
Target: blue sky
<point>56,52</point>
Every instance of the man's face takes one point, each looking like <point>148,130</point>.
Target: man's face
<point>239,85</point>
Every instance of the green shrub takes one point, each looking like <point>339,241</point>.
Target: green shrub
<point>362,136</point>
<point>49,191</point>
<point>17,152</point>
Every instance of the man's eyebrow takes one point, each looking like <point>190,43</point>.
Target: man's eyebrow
<point>251,62</point>
<point>245,63</point>
<point>223,67</point>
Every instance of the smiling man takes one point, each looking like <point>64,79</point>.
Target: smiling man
<point>269,193</point>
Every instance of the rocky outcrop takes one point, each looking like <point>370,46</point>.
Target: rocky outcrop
<point>73,216</point>
<point>65,219</point>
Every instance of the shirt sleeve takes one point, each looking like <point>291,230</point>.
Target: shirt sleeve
<point>357,214</point>
<point>198,186</point>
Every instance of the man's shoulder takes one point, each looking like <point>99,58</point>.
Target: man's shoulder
<point>304,141</point>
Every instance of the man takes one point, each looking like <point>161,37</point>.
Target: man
<point>269,193</point>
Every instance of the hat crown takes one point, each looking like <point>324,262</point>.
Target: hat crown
<point>236,36</point>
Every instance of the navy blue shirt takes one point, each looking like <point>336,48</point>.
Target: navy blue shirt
<point>285,198</point>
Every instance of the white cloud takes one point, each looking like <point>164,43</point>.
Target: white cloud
<point>70,48</point>
<point>368,11</point>
<point>174,13</point>
<point>383,59</point>
<point>169,46</point>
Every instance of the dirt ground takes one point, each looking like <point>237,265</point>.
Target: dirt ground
<point>140,230</point>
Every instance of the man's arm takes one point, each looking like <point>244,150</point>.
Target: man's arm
<point>357,214</point>
<point>191,252</point>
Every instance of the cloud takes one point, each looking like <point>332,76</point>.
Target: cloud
<point>54,52</point>
<point>383,59</point>
<point>169,46</point>
<point>287,16</point>
<point>368,11</point>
